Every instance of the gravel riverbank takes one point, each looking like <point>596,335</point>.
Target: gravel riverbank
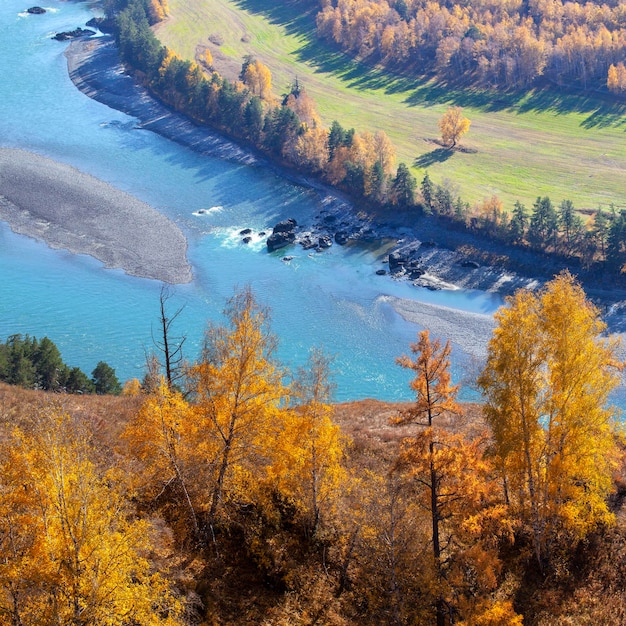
<point>69,209</point>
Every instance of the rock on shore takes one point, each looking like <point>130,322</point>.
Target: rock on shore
<point>69,209</point>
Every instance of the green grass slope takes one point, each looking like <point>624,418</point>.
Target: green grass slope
<point>518,147</point>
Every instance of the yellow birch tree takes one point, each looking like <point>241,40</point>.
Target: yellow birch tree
<point>452,126</point>
<point>83,557</point>
<point>161,436</point>
<point>546,383</point>
<point>238,402</point>
<point>310,449</point>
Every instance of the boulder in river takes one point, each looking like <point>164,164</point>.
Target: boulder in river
<point>397,261</point>
<point>282,234</point>
<point>279,240</point>
<point>36,10</point>
<point>307,243</point>
<point>324,242</point>
<point>286,226</point>
<point>341,237</point>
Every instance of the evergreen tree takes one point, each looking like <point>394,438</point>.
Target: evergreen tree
<point>254,118</point>
<point>21,370</point>
<point>403,187</point>
<point>428,192</point>
<point>49,366</point>
<point>78,382</point>
<point>544,223</point>
<point>518,223</point>
<point>616,241</point>
<point>571,223</point>
<point>104,380</point>
<point>335,138</point>
<point>600,229</point>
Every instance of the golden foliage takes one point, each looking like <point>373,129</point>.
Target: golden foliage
<point>81,558</point>
<point>307,467</point>
<point>311,149</point>
<point>616,78</point>
<point>161,437</point>
<point>434,395</point>
<point>238,392</point>
<point>158,10</point>
<point>303,105</point>
<point>547,380</point>
<point>258,78</point>
<point>132,387</point>
<point>452,126</point>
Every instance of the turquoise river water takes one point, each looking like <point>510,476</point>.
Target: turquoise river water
<point>332,299</point>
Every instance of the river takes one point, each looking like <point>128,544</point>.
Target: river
<point>333,300</point>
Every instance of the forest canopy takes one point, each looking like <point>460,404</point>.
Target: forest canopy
<point>512,45</point>
<point>37,364</point>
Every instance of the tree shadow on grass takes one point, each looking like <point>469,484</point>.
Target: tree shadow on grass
<point>297,17</point>
<point>438,155</point>
<point>429,92</point>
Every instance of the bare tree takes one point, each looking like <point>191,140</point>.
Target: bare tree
<point>171,347</point>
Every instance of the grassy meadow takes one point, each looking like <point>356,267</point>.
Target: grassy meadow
<point>518,147</point>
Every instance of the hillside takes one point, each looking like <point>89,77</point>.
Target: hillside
<point>565,146</point>
<point>226,583</point>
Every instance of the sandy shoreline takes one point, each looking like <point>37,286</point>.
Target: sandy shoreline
<point>69,209</point>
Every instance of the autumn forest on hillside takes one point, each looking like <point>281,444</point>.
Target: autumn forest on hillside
<point>232,491</point>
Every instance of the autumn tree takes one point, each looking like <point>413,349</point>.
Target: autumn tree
<point>546,384</point>
<point>616,78</point>
<point>453,125</point>
<point>161,437</point>
<point>392,568</point>
<point>307,468</point>
<point>157,10</point>
<point>434,396</point>
<point>472,523</point>
<point>238,393</point>
<point>455,484</point>
<point>303,105</point>
<point>491,217</point>
<point>310,149</point>
<point>205,58</point>
<point>72,550</point>
<point>257,77</point>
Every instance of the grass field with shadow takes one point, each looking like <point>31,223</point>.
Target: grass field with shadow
<point>552,142</point>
